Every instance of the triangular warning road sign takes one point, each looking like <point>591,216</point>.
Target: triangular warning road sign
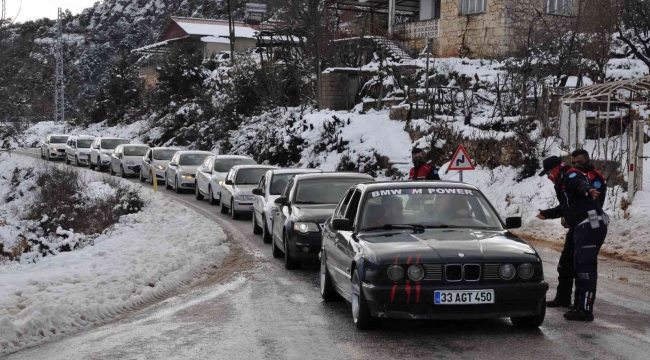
<point>460,160</point>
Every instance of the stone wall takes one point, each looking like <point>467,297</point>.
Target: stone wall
<point>339,89</point>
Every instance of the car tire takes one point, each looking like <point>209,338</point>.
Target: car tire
<point>67,160</point>
<point>234,214</point>
<point>289,262</point>
<point>361,316</point>
<point>266,237</point>
<point>275,250</point>
<point>197,192</point>
<point>530,322</point>
<point>110,170</point>
<point>140,177</point>
<point>256,229</point>
<point>76,161</point>
<point>176,188</point>
<point>223,209</point>
<point>122,173</point>
<point>90,163</point>
<point>42,156</point>
<point>167,183</point>
<point>48,155</point>
<point>327,291</point>
<point>213,201</point>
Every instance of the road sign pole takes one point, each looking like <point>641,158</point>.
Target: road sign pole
<point>461,175</point>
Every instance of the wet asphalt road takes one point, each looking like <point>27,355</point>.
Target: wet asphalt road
<point>255,309</point>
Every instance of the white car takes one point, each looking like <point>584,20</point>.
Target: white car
<point>211,175</point>
<point>78,149</point>
<point>237,191</point>
<point>101,151</point>
<point>157,158</point>
<point>269,188</point>
<point>53,146</point>
<point>181,170</point>
<point>126,159</point>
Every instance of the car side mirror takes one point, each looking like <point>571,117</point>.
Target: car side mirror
<point>172,164</point>
<point>229,182</point>
<point>205,170</point>
<point>146,160</point>
<point>280,201</point>
<point>513,222</point>
<point>258,192</point>
<point>342,224</point>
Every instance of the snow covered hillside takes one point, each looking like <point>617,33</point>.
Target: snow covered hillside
<point>145,257</point>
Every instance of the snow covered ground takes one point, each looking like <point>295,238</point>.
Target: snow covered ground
<point>143,259</point>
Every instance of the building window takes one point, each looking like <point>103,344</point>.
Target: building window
<point>559,7</point>
<point>468,7</point>
<point>429,9</point>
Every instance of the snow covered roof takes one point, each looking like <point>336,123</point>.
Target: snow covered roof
<point>214,28</point>
<point>638,88</point>
<point>154,48</point>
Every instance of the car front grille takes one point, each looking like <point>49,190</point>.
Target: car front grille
<point>462,272</point>
<point>433,272</point>
<point>472,272</point>
<point>454,272</point>
<point>491,272</point>
<point>61,150</point>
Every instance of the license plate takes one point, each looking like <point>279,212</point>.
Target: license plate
<point>463,297</point>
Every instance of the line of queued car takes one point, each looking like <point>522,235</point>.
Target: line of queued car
<point>392,249</point>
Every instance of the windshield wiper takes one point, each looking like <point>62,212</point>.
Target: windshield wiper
<point>414,227</point>
<point>306,202</point>
<point>444,226</point>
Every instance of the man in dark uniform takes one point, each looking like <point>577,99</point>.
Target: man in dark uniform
<point>579,207</point>
<point>421,169</point>
<point>580,161</point>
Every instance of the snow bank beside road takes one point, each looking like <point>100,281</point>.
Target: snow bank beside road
<point>145,258</point>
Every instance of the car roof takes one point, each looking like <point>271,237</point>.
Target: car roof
<point>82,136</point>
<point>331,175</point>
<point>165,148</point>
<point>407,184</point>
<point>135,145</point>
<point>111,138</point>
<point>296,171</point>
<point>59,135</point>
<point>254,166</point>
<point>183,152</point>
<point>217,157</point>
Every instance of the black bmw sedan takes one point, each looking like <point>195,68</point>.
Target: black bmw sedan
<point>301,210</point>
<point>429,250</point>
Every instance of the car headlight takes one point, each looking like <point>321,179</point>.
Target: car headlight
<point>305,227</point>
<point>395,272</point>
<point>415,272</point>
<point>160,167</point>
<point>187,176</point>
<point>507,271</point>
<point>525,271</point>
<point>130,162</point>
<point>220,182</point>
<point>54,148</point>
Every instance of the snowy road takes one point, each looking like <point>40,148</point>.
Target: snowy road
<point>255,309</point>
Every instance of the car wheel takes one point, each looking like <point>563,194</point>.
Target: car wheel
<point>327,291</point>
<point>275,250</point>
<point>223,209</point>
<point>289,262</point>
<point>90,164</point>
<point>76,161</point>
<point>42,156</point>
<point>197,192</point>
<point>48,155</point>
<point>256,229</point>
<point>167,183</point>
<point>234,214</point>
<point>110,170</point>
<point>140,177</point>
<point>213,201</point>
<point>361,316</point>
<point>122,173</point>
<point>529,322</point>
<point>151,178</point>
<point>67,160</point>
<point>266,237</point>
<point>176,188</point>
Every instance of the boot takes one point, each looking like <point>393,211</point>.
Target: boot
<point>558,302</point>
<point>578,315</point>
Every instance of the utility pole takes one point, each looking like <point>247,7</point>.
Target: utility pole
<point>231,29</point>
<point>59,80</point>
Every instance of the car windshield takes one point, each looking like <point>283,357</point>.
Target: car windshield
<point>58,139</point>
<point>324,191</point>
<point>166,154</point>
<point>250,176</point>
<point>135,150</point>
<point>224,165</point>
<point>84,144</point>
<point>428,207</point>
<point>113,143</point>
<point>192,159</point>
<point>279,182</point>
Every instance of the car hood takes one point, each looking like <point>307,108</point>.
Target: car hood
<point>190,169</point>
<point>313,213</point>
<point>445,245</point>
<point>83,151</point>
<point>163,163</point>
<point>136,159</point>
<point>244,189</point>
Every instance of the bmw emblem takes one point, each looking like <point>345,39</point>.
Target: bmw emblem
<point>461,255</point>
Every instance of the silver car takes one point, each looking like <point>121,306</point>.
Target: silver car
<point>101,151</point>
<point>269,188</point>
<point>237,191</point>
<point>53,146</point>
<point>78,149</point>
<point>126,160</point>
<point>158,159</point>
<point>181,170</point>
<point>211,175</point>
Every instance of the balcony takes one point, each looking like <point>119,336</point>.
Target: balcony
<point>417,29</point>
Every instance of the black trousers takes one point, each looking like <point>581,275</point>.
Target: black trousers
<point>587,243</point>
<point>565,270</point>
